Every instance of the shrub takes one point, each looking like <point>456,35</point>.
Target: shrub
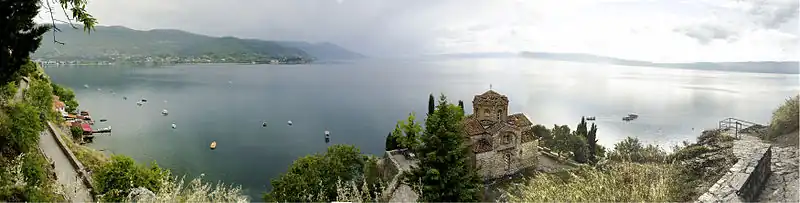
<point>632,150</point>
<point>7,91</point>
<point>785,119</point>
<point>116,179</point>
<point>76,132</point>
<point>174,189</point>
<point>20,132</point>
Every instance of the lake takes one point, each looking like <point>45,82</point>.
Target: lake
<point>360,102</point>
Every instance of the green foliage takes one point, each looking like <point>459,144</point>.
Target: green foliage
<point>785,119</point>
<point>431,104</point>
<point>461,105</point>
<point>544,135</point>
<point>20,37</point>
<point>314,177</point>
<point>392,141</point>
<point>66,95</point>
<point>632,150</point>
<point>623,182</point>
<point>595,151</point>
<point>561,139</point>
<point>115,179</point>
<point>444,172</point>
<point>76,132</point>
<point>20,132</point>
<point>33,169</point>
<point>7,91</point>
<point>40,95</point>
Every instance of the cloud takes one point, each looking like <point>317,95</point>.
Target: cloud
<point>657,30</point>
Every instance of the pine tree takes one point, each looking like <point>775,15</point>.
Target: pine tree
<point>444,172</point>
<point>431,106</point>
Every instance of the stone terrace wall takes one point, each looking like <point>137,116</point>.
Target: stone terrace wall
<point>85,177</point>
<point>745,179</point>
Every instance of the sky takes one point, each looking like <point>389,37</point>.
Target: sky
<point>652,30</point>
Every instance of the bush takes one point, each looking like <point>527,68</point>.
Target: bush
<point>40,95</point>
<point>7,91</point>
<point>25,179</point>
<point>76,132</point>
<point>632,150</point>
<point>621,182</point>
<point>115,180</point>
<point>785,119</point>
<point>20,132</point>
<point>313,178</point>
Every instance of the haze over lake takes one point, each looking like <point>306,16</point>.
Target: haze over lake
<point>360,102</point>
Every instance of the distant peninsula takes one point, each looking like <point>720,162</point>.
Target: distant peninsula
<point>117,44</point>
<point>780,67</point>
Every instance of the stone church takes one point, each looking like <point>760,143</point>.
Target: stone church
<point>503,144</point>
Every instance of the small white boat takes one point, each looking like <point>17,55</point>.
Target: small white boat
<point>174,126</point>
<point>213,145</point>
<point>164,112</point>
<point>139,103</point>
<point>327,133</point>
<point>264,124</point>
<point>98,89</point>
<point>85,86</point>
<point>290,122</point>
<point>230,82</point>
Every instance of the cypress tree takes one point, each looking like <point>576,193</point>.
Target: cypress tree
<point>444,172</point>
<point>591,141</point>
<point>431,106</point>
<point>461,105</point>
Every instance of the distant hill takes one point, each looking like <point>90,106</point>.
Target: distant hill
<point>122,41</point>
<point>783,67</point>
<point>323,50</point>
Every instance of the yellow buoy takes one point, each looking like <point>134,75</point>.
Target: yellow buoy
<point>214,145</point>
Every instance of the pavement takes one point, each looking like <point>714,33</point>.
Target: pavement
<point>67,176</point>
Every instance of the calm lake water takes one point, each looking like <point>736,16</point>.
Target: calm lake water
<point>360,102</point>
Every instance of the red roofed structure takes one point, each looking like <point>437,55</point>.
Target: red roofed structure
<point>87,130</point>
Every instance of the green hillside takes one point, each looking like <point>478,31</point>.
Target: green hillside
<point>111,43</point>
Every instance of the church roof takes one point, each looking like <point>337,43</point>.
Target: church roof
<point>482,145</point>
<point>473,127</point>
<point>491,98</point>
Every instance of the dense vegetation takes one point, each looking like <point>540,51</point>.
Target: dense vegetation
<point>579,145</point>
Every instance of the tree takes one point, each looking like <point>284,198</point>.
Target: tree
<point>313,178</point>
<point>444,172</point>
<point>461,105</point>
<point>591,142</point>
<point>561,142</point>
<point>20,35</point>
<point>115,180</point>
<point>408,133</point>
<point>431,106</point>
<point>581,130</point>
<point>20,131</point>
<point>392,142</point>
<point>66,95</point>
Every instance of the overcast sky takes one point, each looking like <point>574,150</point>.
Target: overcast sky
<point>654,30</point>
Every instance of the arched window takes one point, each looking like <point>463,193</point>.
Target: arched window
<point>499,114</point>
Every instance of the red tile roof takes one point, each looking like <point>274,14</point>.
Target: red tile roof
<point>86,127</point>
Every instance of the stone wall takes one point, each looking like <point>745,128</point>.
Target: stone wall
<point>529,154</point>
<point>85,177</point>
<point>745,180</point>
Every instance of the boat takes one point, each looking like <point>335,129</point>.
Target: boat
<point>139,103</point>
<point>230,82</point>
<point>103,120</point>
<point>85,86</point>
<point>327,133</point>
<point>103,130</point>
<point>164,112</point>
<point>290,122</point>
<point>264,124</point>
<point>633,115</point>
<point>124,98</point>
<point>143,100</point>
<point>98,89</point>
<point>174,126</point>
<point>213,145</point>
<point>626,118</point>
<point>590,118</point>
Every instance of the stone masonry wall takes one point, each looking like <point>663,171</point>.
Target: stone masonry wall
<point>746,179</point>
<point>529,154</point>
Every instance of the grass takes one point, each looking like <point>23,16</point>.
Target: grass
<point>622,182</point>
<point>785,119</point>
<point>90,158</point>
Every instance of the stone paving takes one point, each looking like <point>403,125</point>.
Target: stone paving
<point>782,185</point>
<point>748,150</point>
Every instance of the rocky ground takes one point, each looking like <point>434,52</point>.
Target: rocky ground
<point>782,185</point>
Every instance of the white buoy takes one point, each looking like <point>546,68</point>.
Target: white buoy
<point>290,122</point>
<point>174,126</point>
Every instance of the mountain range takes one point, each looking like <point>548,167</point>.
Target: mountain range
<point>107,41</point>
<point>782,67</point>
